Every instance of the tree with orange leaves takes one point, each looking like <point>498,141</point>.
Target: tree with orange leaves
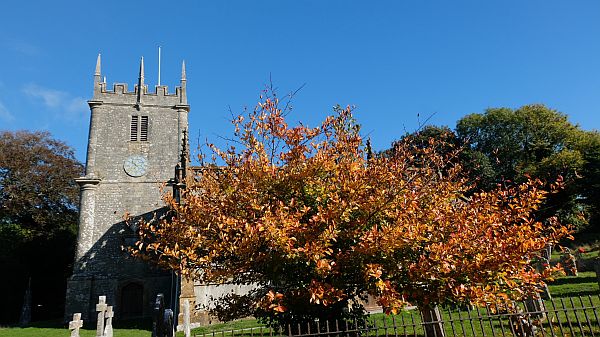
<point>315,224</point>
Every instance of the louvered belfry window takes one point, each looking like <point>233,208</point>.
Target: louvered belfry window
<point>135,122</point>
<point>139,129</point>
<point>144,129</point>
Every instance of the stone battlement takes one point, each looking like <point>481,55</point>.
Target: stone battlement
<point>120,93</point>
<point>122,88</point>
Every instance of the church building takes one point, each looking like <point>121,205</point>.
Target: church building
<point>135,138</point>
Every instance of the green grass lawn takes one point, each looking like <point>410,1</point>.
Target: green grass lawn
<point>227,326</point>
<point>134,328</point>
<point>64,332</point>
<point>584,284</point>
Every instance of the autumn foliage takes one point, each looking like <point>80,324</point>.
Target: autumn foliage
<point>314,223</point>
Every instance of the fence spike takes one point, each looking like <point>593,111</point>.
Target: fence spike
<point>557,315</point>
<point>471,319</point>
<point>500,319</point>
<point>567,316</point>
<point>385,326</point>
<point>587,319</point>
<point>489,315</point>
<point>451,320</point>
<point>576,316</point>
<point>594,309</point>
<point>412,317</point>
<point>461,321</point>
<point>549,318</point>
<point>480,319</point>
<point>394,324</point>
<point>403,325</point>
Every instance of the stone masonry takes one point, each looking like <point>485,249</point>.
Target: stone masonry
<point>109,191</point>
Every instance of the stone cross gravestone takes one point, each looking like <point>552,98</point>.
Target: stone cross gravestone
<point>108,329</point>
<point>75,325</point>
<point>186,318</point>
<point>101,308</point>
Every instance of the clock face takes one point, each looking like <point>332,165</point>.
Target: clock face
<point>135,165</point>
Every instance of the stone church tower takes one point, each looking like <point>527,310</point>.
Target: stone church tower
<point>135,138</point>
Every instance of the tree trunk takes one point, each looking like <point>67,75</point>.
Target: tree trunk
<point>432,321</point>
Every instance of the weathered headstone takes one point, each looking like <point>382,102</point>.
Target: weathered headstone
<point>108,329</point>
<point>75,325</point>
<point>157,319</point>
<point>25,318</point>
<point>521,325</point>
<point>542,264</point>
<point>169,323</point>
<point>101,308</point>
<point>162,325</point>
<point>596,264</point>
<point>545,292</point>
<point>569,263</point>
<point>547,252</point>
<point>535,307</point>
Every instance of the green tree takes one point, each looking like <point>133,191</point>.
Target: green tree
<point>537,141</point>
<point>38,219</point>
<point>447,143</point>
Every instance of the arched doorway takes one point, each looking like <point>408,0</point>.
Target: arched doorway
<point>132,300</point>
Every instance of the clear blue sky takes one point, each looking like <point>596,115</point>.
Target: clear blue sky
<point>394,60</point>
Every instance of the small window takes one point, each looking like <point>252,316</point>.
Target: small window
<point>134,128</point>
<point>139,129</point>
<point>144,129</point>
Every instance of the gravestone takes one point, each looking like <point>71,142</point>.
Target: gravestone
<point>542,264</point>
<point>596,264</point>
<point>547,252</point>
<point>25,318</point>
<point>521,325</point>
<point>162,325</point>
<point>75,325</point>
<point>545,292</point>
<point>569,263</point>
<point>101,308</point>
<point>108,329</point>
<point>186,318</point>
<point>535,307</point>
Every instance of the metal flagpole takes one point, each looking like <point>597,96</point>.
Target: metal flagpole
<point>158,65</point>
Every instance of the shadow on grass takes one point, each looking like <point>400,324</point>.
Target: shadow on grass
<point>577,293</point>
<point>572,280</point>
<point>50,324</point>
<point>137,323</point>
